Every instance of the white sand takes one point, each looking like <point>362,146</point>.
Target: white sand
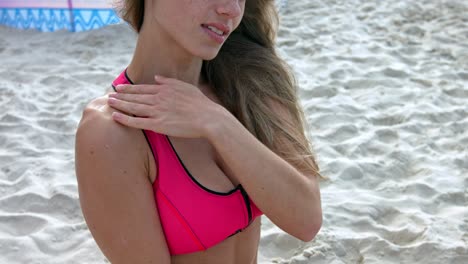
<point>385,88</point>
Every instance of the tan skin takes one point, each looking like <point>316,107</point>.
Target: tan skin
<point>208,169</point>
<point>137,173</point>
<point>115,167</point>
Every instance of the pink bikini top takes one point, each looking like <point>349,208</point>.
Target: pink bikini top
<point>193,217</point>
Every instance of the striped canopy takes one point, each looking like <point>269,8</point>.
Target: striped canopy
<point>73,15</point>
<point>51,15</point>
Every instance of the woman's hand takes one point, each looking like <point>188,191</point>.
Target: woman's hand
<point>170,107</point>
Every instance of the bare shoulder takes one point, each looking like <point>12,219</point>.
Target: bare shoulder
<point>97,129</point>
<point>115,193</point>
<point>98,107</point>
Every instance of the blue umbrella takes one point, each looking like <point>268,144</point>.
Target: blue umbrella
<point>52,15</point>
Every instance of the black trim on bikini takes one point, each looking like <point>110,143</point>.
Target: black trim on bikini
<point>128,78</point>
<point>142,130</point>
<point>194,180</point>
<point>246,199</point>
<point>244,193</point>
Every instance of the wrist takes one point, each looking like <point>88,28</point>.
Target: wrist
<point>217,124</point>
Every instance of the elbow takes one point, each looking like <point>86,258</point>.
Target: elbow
<point>309,222</point>
<point>310,231</point>
<point>309,234</point>
<point>315,217</point>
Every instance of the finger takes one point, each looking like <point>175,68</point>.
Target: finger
<point>136,122</point>
<point>134,98</point>
<point>131,108</point>
<point>137,88</point>
<point>159,79</point>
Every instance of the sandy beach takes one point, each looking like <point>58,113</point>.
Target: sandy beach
<point>384,85</point>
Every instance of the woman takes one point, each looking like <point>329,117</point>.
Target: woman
<point>223,139</point>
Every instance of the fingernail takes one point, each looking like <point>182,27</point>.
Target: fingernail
<point>119,87</point>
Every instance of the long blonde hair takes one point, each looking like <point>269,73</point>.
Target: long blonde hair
<point>249,79</point>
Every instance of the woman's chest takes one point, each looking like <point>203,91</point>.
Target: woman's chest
<point>201,162</point>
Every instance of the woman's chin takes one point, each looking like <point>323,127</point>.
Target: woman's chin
<point>210,57</point>
<point>208,54</point>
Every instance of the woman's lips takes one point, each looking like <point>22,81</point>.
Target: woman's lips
<point>214,36</point>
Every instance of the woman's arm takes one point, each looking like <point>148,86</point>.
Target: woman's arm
<point>115,192</point>
<point>288,197</point>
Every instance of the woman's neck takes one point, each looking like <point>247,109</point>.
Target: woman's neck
<point>156,53</point>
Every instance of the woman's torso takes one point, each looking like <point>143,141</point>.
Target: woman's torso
<point>201,159</point>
